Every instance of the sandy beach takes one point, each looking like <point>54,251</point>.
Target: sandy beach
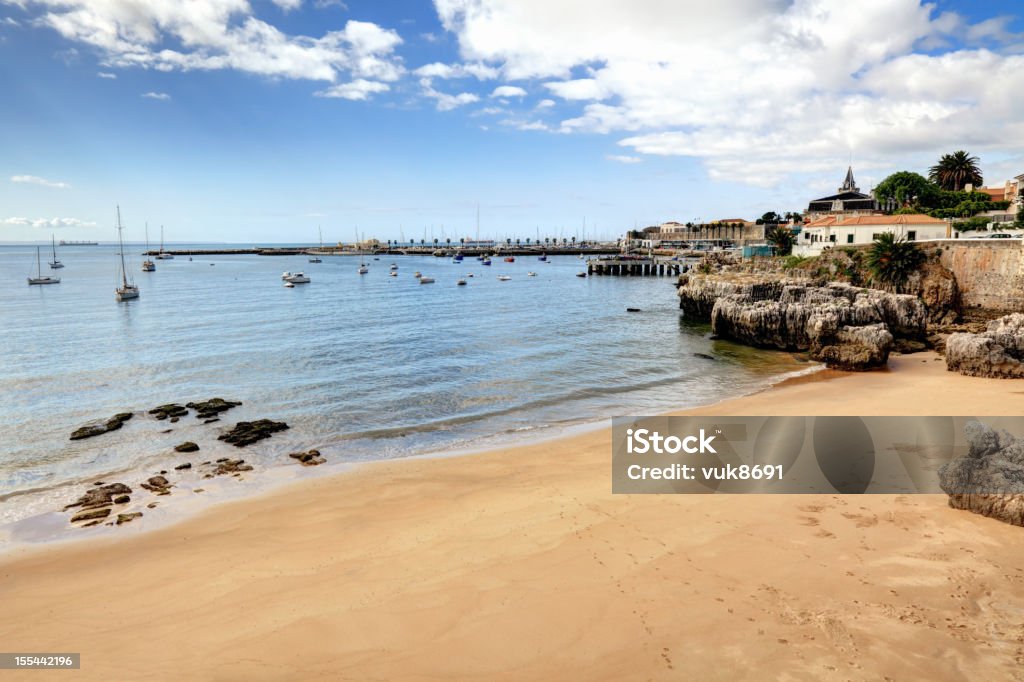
<point>520,564</point>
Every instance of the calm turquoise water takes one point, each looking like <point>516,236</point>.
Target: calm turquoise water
<point>362,367</point>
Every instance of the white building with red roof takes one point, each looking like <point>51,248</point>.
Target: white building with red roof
<point>836,230</point>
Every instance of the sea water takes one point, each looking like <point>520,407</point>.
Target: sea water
<point>361,367</point>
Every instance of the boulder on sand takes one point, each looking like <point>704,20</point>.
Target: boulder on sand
<point>989,480</point>
<point>187,446</point>
<point>996,352</point>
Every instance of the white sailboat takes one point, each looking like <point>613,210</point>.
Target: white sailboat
<point>163,255</point>
<point>148,265</point>
<point>316,258</point>
<point>127,290</point>
<point>54,264</point>
<point>363,269</point>
<point>40,278</point>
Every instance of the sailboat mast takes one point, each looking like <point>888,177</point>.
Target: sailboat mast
<point>53,245</point>
<point>39,264</point>
<point>120,243</point>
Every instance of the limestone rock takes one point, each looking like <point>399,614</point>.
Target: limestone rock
<point>91,515</point>
<point>853,349</point>
<point>989,480</point>
<point>125,518</point>
<point>996,352</point>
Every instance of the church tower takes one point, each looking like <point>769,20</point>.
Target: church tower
<point>849,185</point>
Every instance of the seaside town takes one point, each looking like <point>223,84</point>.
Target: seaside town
<point>512,340</point>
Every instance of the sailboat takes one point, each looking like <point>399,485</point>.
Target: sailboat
<point>148,265</point>
<point>40,278</point>
<point>316,258</point>
<point>363,269</point>
<point>54,264</point>
<point>163,255</point>
<point>126,290</point>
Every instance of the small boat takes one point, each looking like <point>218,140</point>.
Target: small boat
<point>481,257</point>
<point>469,275</point>
<point>363,270</point>
<point>394,266</point>
<point>375,258</point>
<point>40,278</point>
<point>510,259</point>
<point>461,283</point>
<point>190,259</point>
<point>285,275</point>
<point>316,258</point>
<point>393,273</point>
<point>503,278</point>
<point>486,261</point>
<point>148,265</point>
<point>295,278</point>
<point>417,274</point>
<point>289,285</point>
<point>531,274</point>
<point>127,290</point>
<point>542,257</point>
<point>581,274</point>
<point>54,264</point>
<point>457,258</point>
<point>426,280</point>
<point>363,267</point>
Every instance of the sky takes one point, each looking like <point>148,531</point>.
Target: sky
<point>264,121</point>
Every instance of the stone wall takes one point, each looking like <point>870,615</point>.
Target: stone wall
<point>990,273</point>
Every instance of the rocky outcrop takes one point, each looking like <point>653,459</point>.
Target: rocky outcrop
<point>126,518</point>
<point>158,485</point>
<point>846,327</point>
<point>91,515</point>
<point>308,459</point>
<point>210,409</point>
<point>853,349</point>
<point>996,352</point>
<point>187,446</point>
<point>247,433</point>
<point>172,410</point>
<point>989,480</point>
<point>99,428</point>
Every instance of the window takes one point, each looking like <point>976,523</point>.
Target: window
<point>912,235</point>
<point>875,236</point>
<point>831,237</point>
<point>849,238</point>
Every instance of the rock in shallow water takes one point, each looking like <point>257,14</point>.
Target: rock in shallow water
<point>91,515</point>
<point>308,459</point>
<point>112,424</point>
<point>187,446</point>
<point>100,496</point>
<point>125,518</point>
<point>247,433</point>
<point>169,410</point>
<point>208,409</point>
<point>989,480</point>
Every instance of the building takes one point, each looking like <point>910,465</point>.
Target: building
<point>849,200</point>
<point>830,231</point>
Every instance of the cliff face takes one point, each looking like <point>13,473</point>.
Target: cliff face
<point>996,352</point>
<point>844,326</point>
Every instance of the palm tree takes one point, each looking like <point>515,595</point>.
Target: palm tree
<point>955,171</point>
<point>892,259</point>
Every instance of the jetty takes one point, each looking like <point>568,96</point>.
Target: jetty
<point>633,266</point>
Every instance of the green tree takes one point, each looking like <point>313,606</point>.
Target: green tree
<point>892,259</point>
<point>906,187</point>
<point>955,171</point>
<point>781,238</point>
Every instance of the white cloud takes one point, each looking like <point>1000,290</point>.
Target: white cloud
<point>445,101</point>
<point>545,103</point>
<point>46,222</point>
<point>508,91</point>
<point>288,5</point>
<point>441,70</point>
<point>162,96</point>
<point>36,180</point>
<point>219,34</point>
<point>359,89</point>
<point>106,74</point>
<point>8,21</point>
<point>623,159</point>
<point>761,91</point>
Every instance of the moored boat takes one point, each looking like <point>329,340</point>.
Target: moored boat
<point>426,280</point>
<point>127,290</point>
<point>40,278</point>
<point>54,264</point>
<point>297,278</point>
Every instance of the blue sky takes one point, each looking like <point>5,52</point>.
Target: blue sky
<point>217,119</point>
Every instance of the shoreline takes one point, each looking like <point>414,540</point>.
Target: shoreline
<point>519,563</point>
<point>51,527</point>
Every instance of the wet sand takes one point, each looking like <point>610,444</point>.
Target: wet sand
<point>520,564</point>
